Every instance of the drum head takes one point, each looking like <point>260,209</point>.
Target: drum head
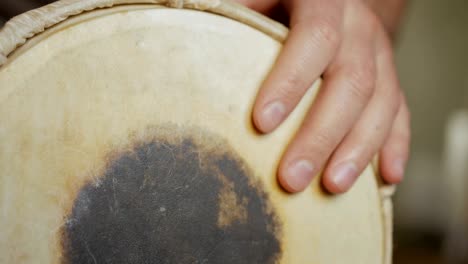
<point>127,138</point>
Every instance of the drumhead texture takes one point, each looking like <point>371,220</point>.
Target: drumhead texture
<point>23,27</point>
<point>127,138</point>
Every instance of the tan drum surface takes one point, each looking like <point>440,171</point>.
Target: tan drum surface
<point>126,137</point>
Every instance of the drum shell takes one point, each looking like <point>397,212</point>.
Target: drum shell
<point>98,86</point>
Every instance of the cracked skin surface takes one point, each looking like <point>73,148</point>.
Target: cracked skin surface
<point>160,202</point>
<point>80,97</point>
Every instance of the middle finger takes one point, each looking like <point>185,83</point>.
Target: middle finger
<point>348,85</point>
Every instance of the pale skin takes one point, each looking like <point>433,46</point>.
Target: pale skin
<point>359,111</point>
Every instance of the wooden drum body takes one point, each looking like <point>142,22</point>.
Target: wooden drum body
<point>126,137</point>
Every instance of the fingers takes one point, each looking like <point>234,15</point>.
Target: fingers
<point>310,47</point>
<point>348,85</point>
<point>369,134</point>
<point>395,152</point>
<point>359,108</point>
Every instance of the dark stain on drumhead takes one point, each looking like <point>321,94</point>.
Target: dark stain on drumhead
<point>173,201</point>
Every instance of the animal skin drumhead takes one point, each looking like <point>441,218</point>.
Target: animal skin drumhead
<point>126,137</point>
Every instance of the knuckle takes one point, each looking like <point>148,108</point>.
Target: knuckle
<point>404,129</point>
<point>315,147</point>
<point>401,140</point>
<point>291,87</point>
<point>394,100</point>
<point>373,23</point>
<point>390,94</point>
<point>361,81</point>
<point>321,144</point>
<point>325,30</point>
<point>405,112</point>
<point>384,46</point>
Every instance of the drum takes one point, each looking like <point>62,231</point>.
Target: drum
<point>126,137</point>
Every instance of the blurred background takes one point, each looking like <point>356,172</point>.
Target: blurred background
<point>431,206</point>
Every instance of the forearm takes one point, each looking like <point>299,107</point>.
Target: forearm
<point>390,12</point>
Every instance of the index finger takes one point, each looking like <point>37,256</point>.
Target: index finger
<point>311,45</point>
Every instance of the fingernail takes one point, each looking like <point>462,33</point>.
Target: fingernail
<point>299,175</point>
<point>272,115</point>
<point>343,175</point>
<point>399,168</point>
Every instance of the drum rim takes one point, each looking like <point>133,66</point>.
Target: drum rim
<point>18,30</point>
<point>24,27</point>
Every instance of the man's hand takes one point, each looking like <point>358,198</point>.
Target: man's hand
<point>359,110</point>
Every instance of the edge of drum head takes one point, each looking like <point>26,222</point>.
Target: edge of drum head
<point>36,36</point>
<point>70,22</point>
<point>23,28</point>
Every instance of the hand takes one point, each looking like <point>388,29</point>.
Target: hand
<point>359,110</point>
